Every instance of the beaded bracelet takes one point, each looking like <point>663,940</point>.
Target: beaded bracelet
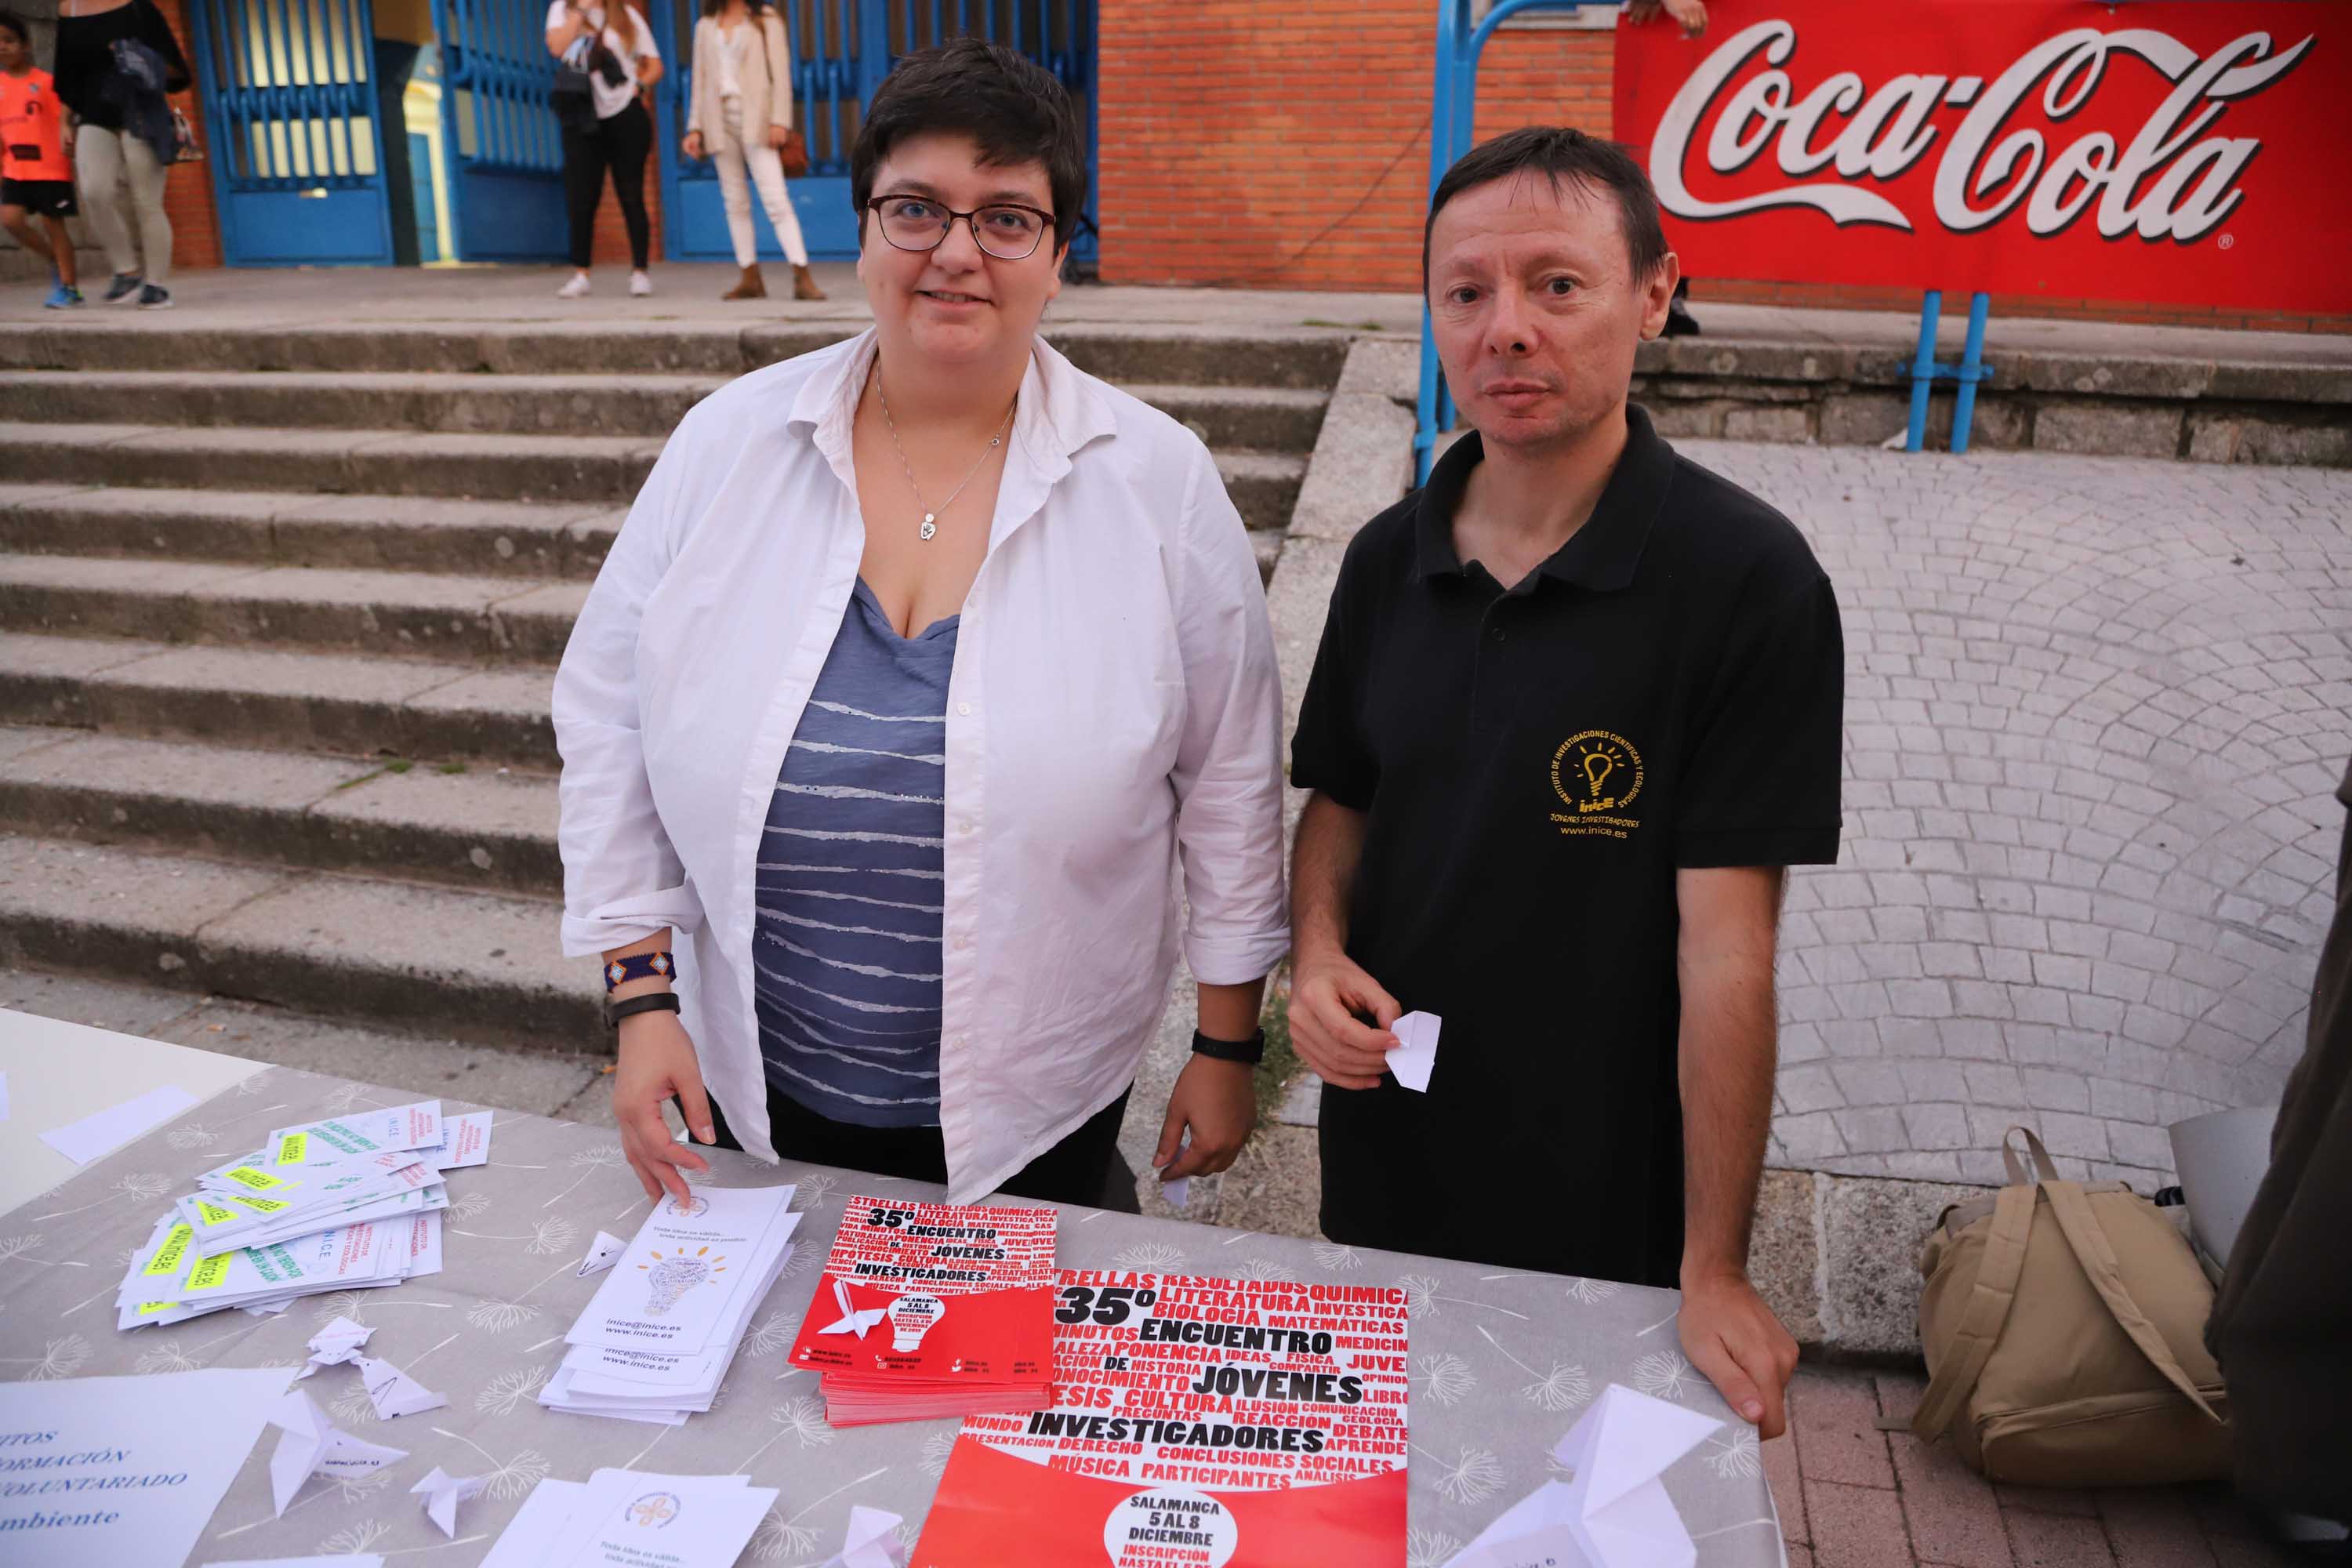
<point>638,966</point>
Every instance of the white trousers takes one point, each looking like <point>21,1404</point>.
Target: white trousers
<point>122,185</point>
<point>735,152</point>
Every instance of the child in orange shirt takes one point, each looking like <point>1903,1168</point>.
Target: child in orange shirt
<point>35,177</point>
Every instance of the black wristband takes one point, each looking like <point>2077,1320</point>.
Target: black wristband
<point>651,1002</point>
<point>1250,1051</point>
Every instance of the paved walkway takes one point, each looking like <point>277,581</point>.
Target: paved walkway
<point>1853,1497</point>
<point>2096,710</point>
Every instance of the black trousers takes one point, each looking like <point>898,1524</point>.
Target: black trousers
<point>621,144</point>
<point>1082,1168</point>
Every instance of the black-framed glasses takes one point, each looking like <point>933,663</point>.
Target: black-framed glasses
<point>1006,230</point>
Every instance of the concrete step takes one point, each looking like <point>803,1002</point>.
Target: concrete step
<point>1301,358</point>
<point>637,403</point>
<point>383,533</point>
<point>277,700</point>
<point>471,965</point>
<point>477,827</point>
<point>566,469</point>
<point>404,613</point>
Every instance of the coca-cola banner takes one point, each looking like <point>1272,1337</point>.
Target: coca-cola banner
<point>2170,151</point>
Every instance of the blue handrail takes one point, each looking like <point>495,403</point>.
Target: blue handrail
<point>1453,114</point>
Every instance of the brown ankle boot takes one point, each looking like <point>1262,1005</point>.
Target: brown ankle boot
<point>804,285</point>
<point>750,286</point>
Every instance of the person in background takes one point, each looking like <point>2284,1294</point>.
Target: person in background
<point>922,668</point>
<point>36,177</point>
<point>623,63</point>
<point>1578,703</point>
<point>121,175</point>
<point>743,56</point>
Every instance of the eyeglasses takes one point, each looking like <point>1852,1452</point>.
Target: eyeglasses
<point>1007,232</point>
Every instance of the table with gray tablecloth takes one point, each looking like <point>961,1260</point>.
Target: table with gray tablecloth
<point>1502,1362</point>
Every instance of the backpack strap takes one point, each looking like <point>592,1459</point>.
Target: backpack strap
<point>2084,1234</point>
<point>2043,1168</point>
<point>1998,1267</point>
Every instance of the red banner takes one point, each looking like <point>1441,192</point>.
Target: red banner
<point>2172,151</point>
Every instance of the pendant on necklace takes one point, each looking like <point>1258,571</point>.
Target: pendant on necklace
<point>929,527</point>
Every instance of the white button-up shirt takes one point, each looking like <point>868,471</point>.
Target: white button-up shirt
<point>1115,719</point>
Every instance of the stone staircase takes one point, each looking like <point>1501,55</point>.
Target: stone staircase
<point>276,638</point>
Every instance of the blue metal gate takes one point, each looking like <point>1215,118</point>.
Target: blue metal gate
<point>841,51</point>
<point>297,159</point>
<point>502,148</point>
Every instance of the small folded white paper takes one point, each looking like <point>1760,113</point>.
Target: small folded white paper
<point>603,1253</point>
<point>1416,1050</point>
<point>311,1446</point>
<point>872,1540</point>
<point>337,1344</point>
<point>1179,1190</point>
<point>393,1392</point>
<point>1613,1512</point>
<point>853,1320</point>
<point>443,1492</point>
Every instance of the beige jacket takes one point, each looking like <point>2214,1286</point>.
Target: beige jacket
<point>704,114</point>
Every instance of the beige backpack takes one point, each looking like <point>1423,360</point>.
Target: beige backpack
<point>2063,1325</point>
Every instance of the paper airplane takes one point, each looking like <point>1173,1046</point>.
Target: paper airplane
<point>393,1392</point>
<point>853,1320</point>
<point>443,1492</point>
<point>1613,1512</point>
<point>1416,1050</point>
<point>872,1542</point>
<point>311,1446</point>
<point>336,1345</point>
<point>603,1253</point>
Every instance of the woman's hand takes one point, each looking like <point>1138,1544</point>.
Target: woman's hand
<point>1217,1102</point>
<point>657,1061</point>
<point>1327,993</point>
<point>779,134</point>
<point>692,146</point>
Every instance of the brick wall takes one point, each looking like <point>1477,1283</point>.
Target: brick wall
<point>1286,121</point>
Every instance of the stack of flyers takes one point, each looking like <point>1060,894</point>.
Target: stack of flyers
<point>618,1518</point>
<point>656,1338</point>
<point>933,1309</point>
<point>349,1203</point>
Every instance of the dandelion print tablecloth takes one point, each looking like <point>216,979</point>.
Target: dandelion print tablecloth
<point>1502,1362</point>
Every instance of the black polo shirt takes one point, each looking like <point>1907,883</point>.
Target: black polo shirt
<point>1664,691</point>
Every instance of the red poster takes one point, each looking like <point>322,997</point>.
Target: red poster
<point>2172,151</point>
<point>1195,1424</point>
<point>932,1309</point>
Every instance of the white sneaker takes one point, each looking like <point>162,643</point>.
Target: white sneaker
<point>640,285</point>
<point>575,289</point>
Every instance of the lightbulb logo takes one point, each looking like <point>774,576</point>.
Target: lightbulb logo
<point>1597,771</point>
<point>912,1317</point>
<point>668,1278</point>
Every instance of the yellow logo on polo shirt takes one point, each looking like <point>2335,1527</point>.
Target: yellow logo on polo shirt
<point>1597,772</point>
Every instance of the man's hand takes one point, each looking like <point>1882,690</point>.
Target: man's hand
<point>692,145</point>
<point>1326,994</point>
<point>657,1061</point>
<point>1217,1100</point>
<point>779,134</point>
<point>1690,14</point>
<point>1734,1340</point>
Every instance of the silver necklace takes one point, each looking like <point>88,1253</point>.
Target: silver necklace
<point>931,516</point>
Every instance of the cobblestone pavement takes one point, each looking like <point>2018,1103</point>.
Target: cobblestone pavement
<point>1851,1496</point>
<point>2096,712</point>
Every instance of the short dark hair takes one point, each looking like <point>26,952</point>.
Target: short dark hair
<point>1564,156</point>
<point>15,24</point>
<point>1016,110</point>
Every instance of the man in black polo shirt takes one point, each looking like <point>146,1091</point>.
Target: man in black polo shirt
<point>1577,705</point>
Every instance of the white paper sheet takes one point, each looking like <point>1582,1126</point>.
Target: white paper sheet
<point>341,1559</point>
<point>104,1131</point>
<point>198,1424</point>
<point>1416,1050</point>
<point>4,1097</point>
<point>443,1492</point>
<point>871,1540</point>
<point>705,1520</point>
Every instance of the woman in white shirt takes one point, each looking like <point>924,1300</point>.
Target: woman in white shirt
<point>921,669</point>
<point>610,130</point>
<point>743,56</point>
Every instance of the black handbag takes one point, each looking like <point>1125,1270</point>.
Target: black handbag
<point>573,96</point>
